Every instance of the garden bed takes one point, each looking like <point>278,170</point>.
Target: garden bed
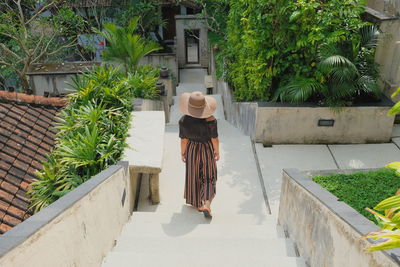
<point>376,186</point>
<point>283,123</point>
<point>326,231</point>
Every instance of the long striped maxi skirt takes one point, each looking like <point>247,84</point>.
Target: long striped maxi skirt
<point>201,173</point>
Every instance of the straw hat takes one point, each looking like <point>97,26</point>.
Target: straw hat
<point>197,105</point>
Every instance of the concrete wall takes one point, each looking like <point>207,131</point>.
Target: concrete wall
<point>386,15</point>
<point>299,125</point>
<point>164,59</point>
<point>242,115</point>
<point>79,229</point>
<point>327,231</point>
<point>191,22</point>
<point>388,56</point>
<point>53,83</point>
<point>275,123</point>
<point>389,8</point>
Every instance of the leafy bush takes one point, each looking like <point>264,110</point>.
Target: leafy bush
<point>345,70</point>
<point>295,47</point>
<point>92,130</point>
<point>361,189</point>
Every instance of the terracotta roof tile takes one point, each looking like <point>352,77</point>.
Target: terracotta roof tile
<point>32,99</point>
<point>4,228</point>
<point>10,188</point>
<point>26,137</point>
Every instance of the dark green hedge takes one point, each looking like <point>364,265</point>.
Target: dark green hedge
<point>362,190</point>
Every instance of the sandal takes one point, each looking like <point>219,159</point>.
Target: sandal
<point>206,211</point>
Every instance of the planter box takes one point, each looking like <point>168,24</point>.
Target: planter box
<point>280,123</point>
<point>327,231</point>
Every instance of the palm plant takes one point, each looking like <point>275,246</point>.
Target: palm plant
<point>124,46</point>
<point>345,70</point>
<point>389,235</point>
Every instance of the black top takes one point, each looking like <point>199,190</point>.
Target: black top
<point>199,130</point>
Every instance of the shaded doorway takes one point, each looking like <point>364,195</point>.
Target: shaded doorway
<point>192,46</point>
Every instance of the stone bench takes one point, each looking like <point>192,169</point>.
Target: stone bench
<point>146,147</point>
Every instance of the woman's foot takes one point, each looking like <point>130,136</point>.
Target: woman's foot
<point>206,211</point>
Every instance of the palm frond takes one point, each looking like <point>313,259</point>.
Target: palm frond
<point>369,36</point>
<point>333,63</point>
<point>298,90</point>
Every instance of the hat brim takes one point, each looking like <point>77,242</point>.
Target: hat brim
<point>202,113</point>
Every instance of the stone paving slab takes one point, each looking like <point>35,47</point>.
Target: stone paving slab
<point>365,155</point>
<point>303,157</point>
<point>193,75</point>
<point>396,130</point>
<point>396,141</point>
<point>238,186</point>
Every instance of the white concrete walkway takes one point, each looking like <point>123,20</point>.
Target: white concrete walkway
<point>241,233</point>
<point>321,157</point>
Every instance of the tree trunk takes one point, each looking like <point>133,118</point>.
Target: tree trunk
<point>24,81</point>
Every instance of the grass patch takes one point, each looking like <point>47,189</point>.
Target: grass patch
<point>361,189</point>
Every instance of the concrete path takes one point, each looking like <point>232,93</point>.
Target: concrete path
<point>321,157</point>
<point>241,233</point>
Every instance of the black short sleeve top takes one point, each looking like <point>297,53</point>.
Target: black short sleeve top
<point>197,129</point>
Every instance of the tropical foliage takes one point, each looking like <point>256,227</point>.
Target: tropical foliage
<point>294,50</point>
<point>396,107</point>
<point>345,70</point>
<point>124,46</point>
<point>91,130</point>
<point>389,236</point>
<point>395,166</point>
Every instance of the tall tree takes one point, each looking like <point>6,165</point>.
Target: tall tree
<point>30,31</point>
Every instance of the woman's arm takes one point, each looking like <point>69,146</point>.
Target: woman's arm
<point>184,142</point>
<point>215,143</point>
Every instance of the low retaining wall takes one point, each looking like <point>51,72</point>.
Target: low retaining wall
<point>79,229</point>
<point>327,231</point>
<point>56,78</point>
<point>163,59</point>
<point>280,123</point>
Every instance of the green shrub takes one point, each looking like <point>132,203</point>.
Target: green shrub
<point>270,44</point>
<point>361,190</point>
<point>92,130</point>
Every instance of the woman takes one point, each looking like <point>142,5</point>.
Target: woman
<point>199,149</point>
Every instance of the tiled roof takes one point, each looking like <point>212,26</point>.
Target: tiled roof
<point>26,137</point>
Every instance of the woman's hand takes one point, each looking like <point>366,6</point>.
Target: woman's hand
<point>183,157</point>
<point>216,156</point>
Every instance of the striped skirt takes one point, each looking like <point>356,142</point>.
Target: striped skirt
<point>201,173</point>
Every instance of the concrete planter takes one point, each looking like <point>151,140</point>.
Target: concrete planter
<point>79,228</point>
<point>277,123</point>
<point>327,231</point>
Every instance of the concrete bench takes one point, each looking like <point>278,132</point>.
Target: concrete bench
<point>146,147</point>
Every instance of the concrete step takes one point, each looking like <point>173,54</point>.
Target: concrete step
<point>220,258</point>
<point>155,229</point>
<point>231,246</point>
<point>196,217</point>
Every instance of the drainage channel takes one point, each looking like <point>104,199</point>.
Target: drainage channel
<point>260,177</point>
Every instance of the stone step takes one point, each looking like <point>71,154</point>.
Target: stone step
<point>196,217</point>
<point>155,229</point>
<point>220,258</point>
<point>228,245</point>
